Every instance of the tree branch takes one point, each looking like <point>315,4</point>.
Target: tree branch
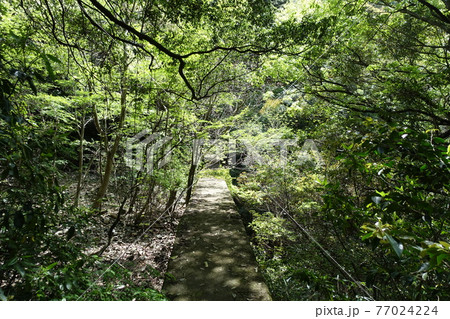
<point>437,13</point>
<point>179,57</point>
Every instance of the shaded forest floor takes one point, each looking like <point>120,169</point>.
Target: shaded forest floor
<point>144,253</point>
<point>211,227</point>
<point>143,249</point>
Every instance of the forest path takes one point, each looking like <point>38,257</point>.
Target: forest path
<point>212,258</point>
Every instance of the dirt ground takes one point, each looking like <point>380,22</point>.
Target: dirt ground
<point>143,248</point>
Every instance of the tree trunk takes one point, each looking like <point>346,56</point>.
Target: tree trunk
<point>138,216</point>
<point>111,153</point>
<point>170,207</point>
<point>196,152</point>
<point>81,149</point>
<point>80,158</point>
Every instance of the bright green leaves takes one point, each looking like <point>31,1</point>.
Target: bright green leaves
<point>382,194</point>
<point>379,92</point>
<point>383,67</point>
<point>269,227</point>
<point>381,232</point>
<point>22,61</point>
<point>400,199</point>
<point>377,230</point>
<point>29,191</point>
<point>436,252</point>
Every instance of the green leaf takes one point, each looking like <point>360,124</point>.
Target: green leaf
<point>2,295</point>
<point>347,147</point>
<point>12,262</point>
<point>20,269</point>
<point>3,10</point>
<point>441,257</point>
<point>438,139</point>
<point>398,247</point>
<point>367,236</point>
<point>50,266</point>
<point>48,66</point>
<point>53,58</point>
<point>382,194</point>
<point>170,277</point>
<point>446,245</point>
<point>31,84</point>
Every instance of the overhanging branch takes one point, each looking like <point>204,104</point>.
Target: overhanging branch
<point>180,58</point>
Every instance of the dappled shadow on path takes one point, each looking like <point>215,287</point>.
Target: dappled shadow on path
<point>212,258</point>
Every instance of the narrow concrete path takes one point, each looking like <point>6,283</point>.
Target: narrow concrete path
<point>212,258</point>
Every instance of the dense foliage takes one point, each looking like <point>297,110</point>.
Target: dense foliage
<point>338,111</point>
<point>376,102</point>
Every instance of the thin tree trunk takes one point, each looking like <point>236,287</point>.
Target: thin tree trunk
<point>170,207</point>
<point>81,148</point>
<point>80,158</point>
<point>196,152</point>
<point>190,182</point>
<point>111,153</point>
<point>111,229</point>
<point>138,216</point>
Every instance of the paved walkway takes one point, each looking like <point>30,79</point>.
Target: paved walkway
<point>212,258</point>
